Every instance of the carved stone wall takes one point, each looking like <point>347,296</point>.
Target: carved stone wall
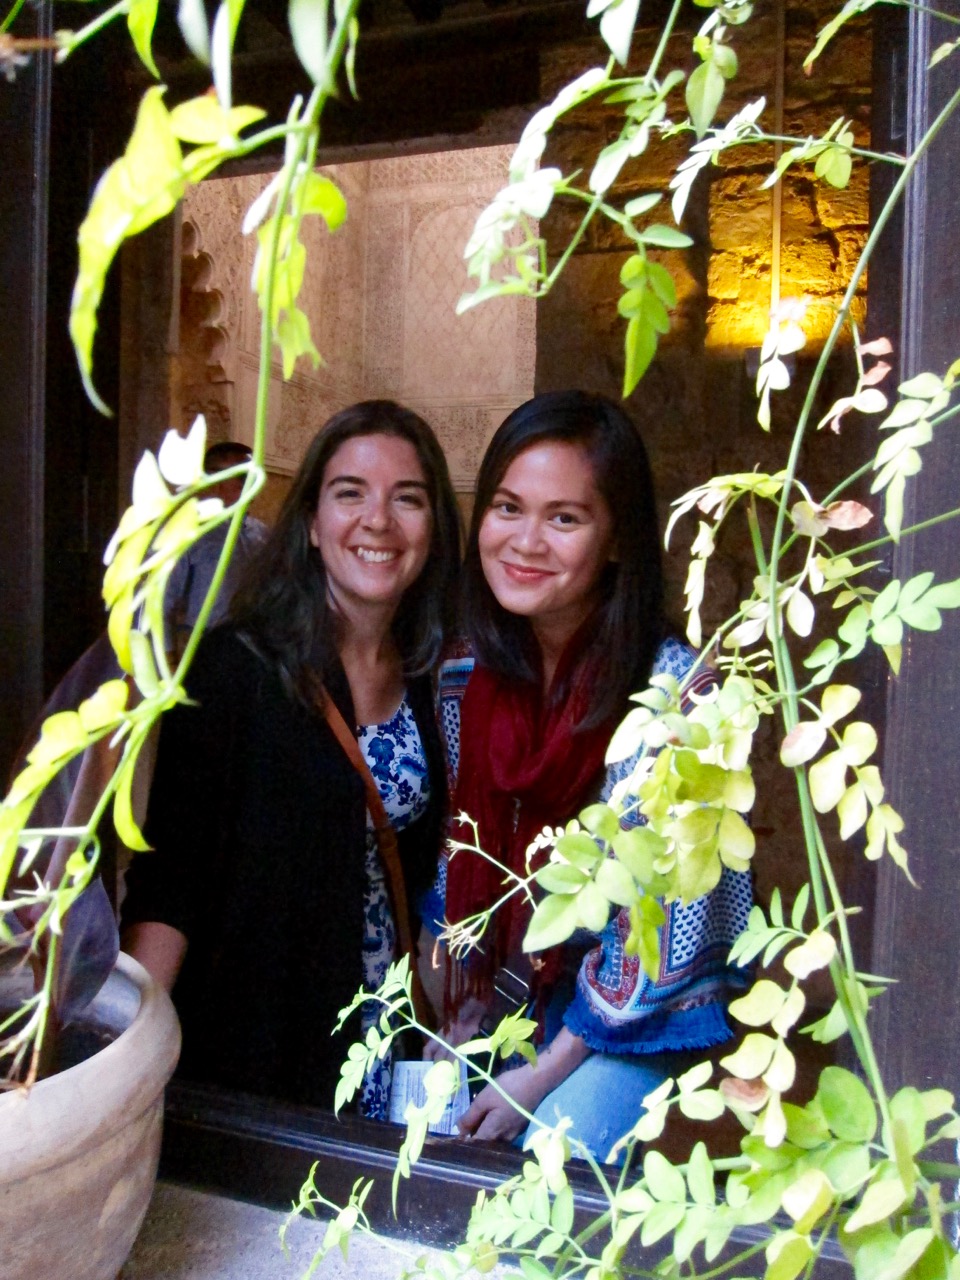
<point>380,295</point>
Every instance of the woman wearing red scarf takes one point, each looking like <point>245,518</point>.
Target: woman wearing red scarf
<point>562,612</point>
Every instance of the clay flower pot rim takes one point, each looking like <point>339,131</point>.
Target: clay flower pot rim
<point>77,1109</point>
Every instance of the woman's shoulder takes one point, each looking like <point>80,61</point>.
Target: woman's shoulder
<point>228,667</point>
<point>674,657</point>
<point>456,667</point>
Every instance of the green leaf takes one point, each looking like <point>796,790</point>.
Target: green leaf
<point>826,34</point>
<point>203,120</point>
<point>705,1104</point>
<point>561,877</point>
<point>752,1057</point>
<point>534,1270</point>
<point>616,27</point>
<point>880,1200</point>
<point>924,385</point>
<point>704,94</point>
<point>608,164</point>
<point>641,204</point>
<point>760,1005</point>
<point>308,27</point>
<point>664,237</point>
<point>859,742</point>
<point>660,1221</point>
<point>554,920</point>
<point>640,348</point>
<point>847,1106</point>
<point>561,1214</point>
<point>616,883</point>
<point>787,1254</point>
<point>600,820</point>
<point>192,21</point>
<point>664,1182</point>
<point>661,282</point>
<point>906,1106</point>
<point>593,908</point>
<point>802,743</point>
<point>837,702</point>
<point>852,810</point>
<point>834,165</point>
<point>700,1176</point>
<point>945,595</point>
<point>808,1199</point>
<point>137,190</point>
<point>816,953</point>
<point>828,781</point>
<point>633,273</point>
<point>800,906</point>
<point>123,818</point>
<point>293,338</point>
<point>141,17</point>
<point>693,1079</point>
<point>580,849</point>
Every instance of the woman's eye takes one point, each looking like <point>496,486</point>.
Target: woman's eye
<point>565,519</point>
<point>505,508</point>
<point>415,501</point>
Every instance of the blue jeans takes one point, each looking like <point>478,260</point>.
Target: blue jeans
<point>604,1096</point>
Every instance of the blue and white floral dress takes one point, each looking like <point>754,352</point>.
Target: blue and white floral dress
<point>395,756</point>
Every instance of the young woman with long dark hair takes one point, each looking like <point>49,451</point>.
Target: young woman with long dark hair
<point>562,586</point>
<point>267,902</point>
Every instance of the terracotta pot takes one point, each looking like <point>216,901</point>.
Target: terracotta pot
<point>78,1154</point>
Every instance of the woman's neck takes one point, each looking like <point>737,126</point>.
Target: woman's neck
<point>552,636</point>
<point>372,664</point>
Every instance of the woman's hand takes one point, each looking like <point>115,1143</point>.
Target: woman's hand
<point>465,1026</point>
<point>491,1116</point>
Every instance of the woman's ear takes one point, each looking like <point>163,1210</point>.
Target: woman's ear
<point>314,540</point>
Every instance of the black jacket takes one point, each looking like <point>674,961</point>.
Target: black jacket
<point>258,820</point>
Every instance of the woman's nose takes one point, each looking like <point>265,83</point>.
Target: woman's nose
<point>376,512</point>
<point>527,536</point>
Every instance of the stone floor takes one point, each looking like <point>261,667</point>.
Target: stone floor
<point>190,1235</point>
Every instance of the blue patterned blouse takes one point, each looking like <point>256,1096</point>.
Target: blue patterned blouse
<point>394,755</point>
<point>616,1008</point>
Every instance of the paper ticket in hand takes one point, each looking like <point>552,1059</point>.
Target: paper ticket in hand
<point>408,1087</point>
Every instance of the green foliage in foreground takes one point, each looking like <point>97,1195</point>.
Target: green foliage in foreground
<point>853,1161</point>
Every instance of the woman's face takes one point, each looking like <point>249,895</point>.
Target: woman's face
<point>546,537</point>
<point>373,522</point>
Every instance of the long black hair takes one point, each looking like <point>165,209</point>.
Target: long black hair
<point>282,606</point>
<point>629,626</point>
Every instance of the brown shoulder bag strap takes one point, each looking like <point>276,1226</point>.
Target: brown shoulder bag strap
<point>388,849</point>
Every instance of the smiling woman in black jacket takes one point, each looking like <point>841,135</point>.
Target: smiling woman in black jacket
<point>265,904</point>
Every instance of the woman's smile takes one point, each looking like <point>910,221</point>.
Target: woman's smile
<point>373,555</point>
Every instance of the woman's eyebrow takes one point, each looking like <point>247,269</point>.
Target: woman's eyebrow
<point>400,484</point>
<point>502,492</point>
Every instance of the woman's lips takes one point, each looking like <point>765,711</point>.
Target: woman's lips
<point>525,574</point>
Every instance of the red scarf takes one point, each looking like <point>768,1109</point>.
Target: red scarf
<point>522,767</point>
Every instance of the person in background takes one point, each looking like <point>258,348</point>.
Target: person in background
<point>190,579</point>
<point>562,612</point>
<point>270,897</point>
